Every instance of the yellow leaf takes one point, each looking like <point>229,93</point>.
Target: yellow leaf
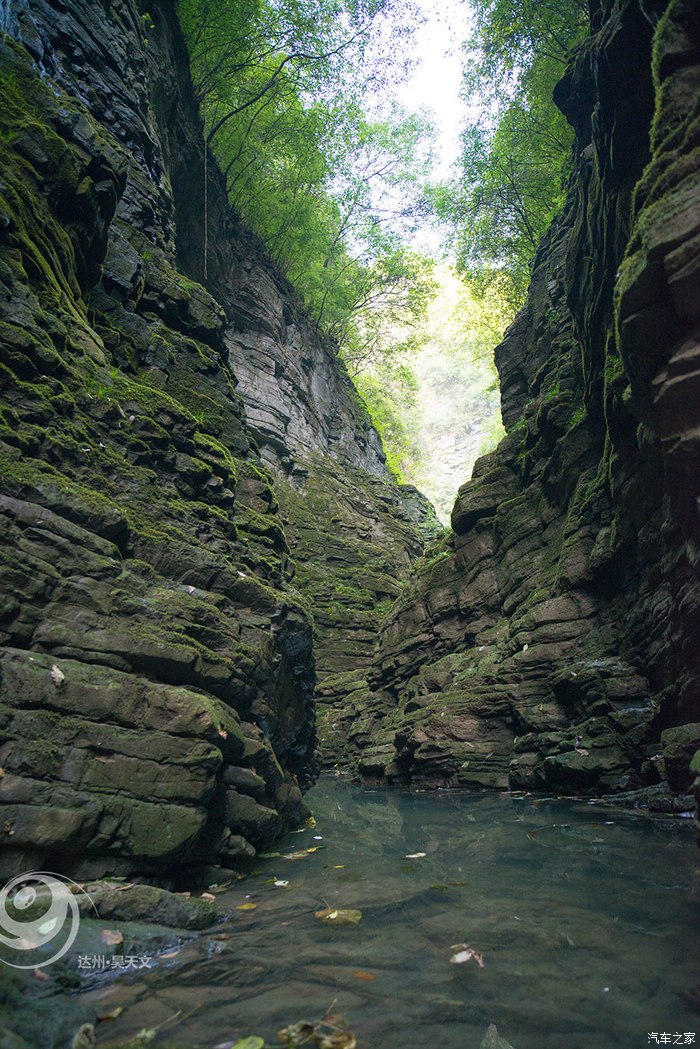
<point>112,936</point>
<point>111,1015</point>
<point>339,917</point>
<point>221,887</point>
<point>362,974</point>
<point>246,906</point>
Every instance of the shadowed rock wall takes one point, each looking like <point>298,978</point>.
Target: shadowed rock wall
<point>552,642</point>
<point>156,666</point>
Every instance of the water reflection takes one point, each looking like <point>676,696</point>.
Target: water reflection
<point>585,918</point>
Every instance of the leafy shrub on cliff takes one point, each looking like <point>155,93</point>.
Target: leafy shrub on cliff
<point>515,151</point>
<point>332,190</point>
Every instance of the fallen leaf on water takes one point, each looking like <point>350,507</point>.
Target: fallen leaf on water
<point>301,853</point>
<point>220,887</point>
<point>310,822</point>
<point>297,1034</point>
<point>338,1040</point>
<point>362,974</point>
<point>208,897</point>
<point>112,936</point>
<point>253,1042</point>
<point>171,954</point>
<point>338,866</point>
<point>57,676</point>
<point>144,1037</point>
<point>280,883</point>
<point>111,1015</point>
<point>222,936</point>
<point>328,1033</point>
<point>84,1037</point>
<point>465,953</point>
<point>415,856</point>
<point>330,916</point>
<point>246,906</point>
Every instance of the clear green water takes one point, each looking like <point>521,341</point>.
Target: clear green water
<point>586,918</point>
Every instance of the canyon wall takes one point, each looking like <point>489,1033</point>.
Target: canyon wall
<point>156,660</point>
<point>551,642</point>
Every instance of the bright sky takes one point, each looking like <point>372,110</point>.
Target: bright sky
<point>435,81</point>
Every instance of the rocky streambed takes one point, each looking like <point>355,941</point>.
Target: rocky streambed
<point>582,915</point>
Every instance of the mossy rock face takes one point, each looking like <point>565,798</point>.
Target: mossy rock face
<point>147,625</point>
<point>680,746</point>
<point>552,641</point>
<point>355,537</point>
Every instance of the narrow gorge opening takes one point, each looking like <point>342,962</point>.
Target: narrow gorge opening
<point>278,281</point>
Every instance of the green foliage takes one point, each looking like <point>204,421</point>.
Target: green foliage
<point>390,394</point>
<point>333,192</point>
<point>434,398</point>
<point>516,153</point>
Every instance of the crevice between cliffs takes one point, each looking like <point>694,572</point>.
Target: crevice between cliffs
<point>204,551</point>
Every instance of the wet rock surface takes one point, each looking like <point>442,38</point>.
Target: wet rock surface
<point>156,665</point>
<point>355,537</point>
<point>550,643</point>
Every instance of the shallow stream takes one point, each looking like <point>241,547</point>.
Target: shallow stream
<point>586,918</point>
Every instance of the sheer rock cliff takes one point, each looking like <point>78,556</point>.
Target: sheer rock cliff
<point>551,643</point>
<point>156,661</point>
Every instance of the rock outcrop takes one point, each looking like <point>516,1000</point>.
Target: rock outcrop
<point>156,659</point>
<point>353,531</point>
<point>157,670</point>
<point>552,642</point>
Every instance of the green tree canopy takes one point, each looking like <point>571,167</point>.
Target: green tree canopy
<point>516,148</point>
<point>332,189</point>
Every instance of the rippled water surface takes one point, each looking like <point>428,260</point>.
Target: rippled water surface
<point>586,918</point>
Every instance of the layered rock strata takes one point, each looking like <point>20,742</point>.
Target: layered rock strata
<point>552,642</point>
<point>156,666</point>
<point>156,662</point>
